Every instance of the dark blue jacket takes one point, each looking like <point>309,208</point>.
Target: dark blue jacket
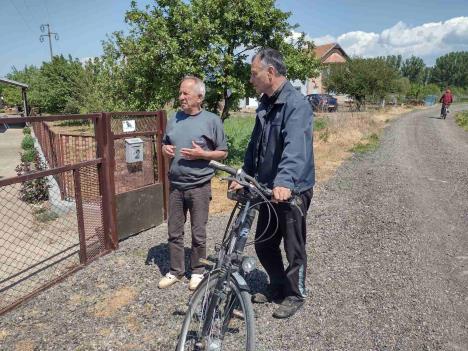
<point>280,151</point>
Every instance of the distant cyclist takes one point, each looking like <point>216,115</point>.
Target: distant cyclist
<point>446,99</point>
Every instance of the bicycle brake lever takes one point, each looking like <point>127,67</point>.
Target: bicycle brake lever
<point>297,202</point>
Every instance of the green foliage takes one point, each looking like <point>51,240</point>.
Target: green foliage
<point>451,70</point>
<point>370,144</point>
<point>319,124</point>
<point>419,91</point>
<point>28,155</point>
<point>414,69</point>
<point>61,85</point>
<point>30,75</point>
<point>238,131</point>
<point>208,38</point>
<point>363,79</point>
<point>462,120</point>
<point>43,214</point>
<point>27,130</point>
<point>27,143</point>
<point>394,61</point>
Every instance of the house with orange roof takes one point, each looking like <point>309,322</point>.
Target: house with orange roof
<point>328,54</point>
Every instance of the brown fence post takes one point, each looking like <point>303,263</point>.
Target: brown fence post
<point>105,149</point>
<point>163,162</point>
<point>79,215</point>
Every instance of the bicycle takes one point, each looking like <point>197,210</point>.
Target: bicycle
<point>220,310</point>
<point>444,111</point>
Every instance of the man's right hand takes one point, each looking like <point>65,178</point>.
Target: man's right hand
<point>169,150</point>
<point>234,186</point>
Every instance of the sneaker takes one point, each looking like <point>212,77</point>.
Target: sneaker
<point>195,279</point>
<point>168,280</point>
<point>273,293</point>
<point>288,307</point>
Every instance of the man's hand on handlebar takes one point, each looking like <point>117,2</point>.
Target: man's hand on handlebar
<point>281,194</point>
<point>234,186</point>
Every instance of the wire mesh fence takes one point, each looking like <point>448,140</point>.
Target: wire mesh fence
<point>42,238</point>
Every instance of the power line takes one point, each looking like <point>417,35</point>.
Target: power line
<point>21,15</point>
<point>49,34</point>
<point>47,10</point>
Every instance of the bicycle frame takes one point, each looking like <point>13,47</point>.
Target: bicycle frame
<point>230,258</point>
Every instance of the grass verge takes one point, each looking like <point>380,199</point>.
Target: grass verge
<point>462,120</point>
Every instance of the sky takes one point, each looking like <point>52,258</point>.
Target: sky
<point>368,28</point>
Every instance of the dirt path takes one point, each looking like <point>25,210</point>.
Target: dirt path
<point>10,147</point>
<point>388,265</point>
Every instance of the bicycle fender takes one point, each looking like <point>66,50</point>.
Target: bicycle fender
<point>240,281</point>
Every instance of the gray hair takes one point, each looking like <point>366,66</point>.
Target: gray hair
<point>272,57</point>
<point>199,85</point>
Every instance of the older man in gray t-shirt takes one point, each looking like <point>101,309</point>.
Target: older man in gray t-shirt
<point>193,137</point>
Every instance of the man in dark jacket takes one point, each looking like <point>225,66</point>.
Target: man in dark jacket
<point>280,156</point>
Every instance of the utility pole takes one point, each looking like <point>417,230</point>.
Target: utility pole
<point>49,34</point>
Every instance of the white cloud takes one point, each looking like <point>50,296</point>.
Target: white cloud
<point>428,41</point>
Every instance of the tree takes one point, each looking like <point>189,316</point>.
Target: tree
<point>363,78</point>
<point>209,38</point>
<point>414,69</point>
<point>30,75</point>
<point>61,85</point>
<point>451,70</point>
<point>394,61</point>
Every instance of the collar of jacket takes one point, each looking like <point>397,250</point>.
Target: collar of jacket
<point>283,92</point>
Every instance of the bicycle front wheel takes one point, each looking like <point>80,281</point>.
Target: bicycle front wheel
<point>232,326</point>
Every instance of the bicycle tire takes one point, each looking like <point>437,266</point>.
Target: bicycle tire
<point>199,302</point>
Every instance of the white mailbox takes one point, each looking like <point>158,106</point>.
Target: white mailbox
<point>133,150</point>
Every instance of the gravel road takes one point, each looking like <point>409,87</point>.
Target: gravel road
<point>388,264</point>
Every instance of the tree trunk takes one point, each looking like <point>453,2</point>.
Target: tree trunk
<point>225,113</point>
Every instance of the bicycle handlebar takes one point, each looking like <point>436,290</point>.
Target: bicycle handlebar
<point>240,175</point>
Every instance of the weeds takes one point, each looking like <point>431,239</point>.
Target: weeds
<point>462,120</point>
<point>43,215</point>
<point>367,145</point>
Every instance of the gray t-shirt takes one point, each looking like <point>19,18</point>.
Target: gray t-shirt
<point>206,130</point>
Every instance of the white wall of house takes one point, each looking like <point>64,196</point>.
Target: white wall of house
<point>251,102</point>
<point>301,86</point>
<point>248,103</point>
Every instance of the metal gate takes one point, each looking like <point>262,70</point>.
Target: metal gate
<point>45,236</point>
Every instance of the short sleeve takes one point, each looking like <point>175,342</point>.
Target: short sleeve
<point>219,135</point>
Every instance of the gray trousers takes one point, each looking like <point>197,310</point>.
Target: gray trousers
<point>197,202</point>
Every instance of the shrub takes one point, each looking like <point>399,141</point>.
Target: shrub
<point>28,155</point>
<point>27,143</point>
<point>27,131</point>
<point>36,190</point>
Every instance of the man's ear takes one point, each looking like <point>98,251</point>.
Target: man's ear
<point>271,70</point>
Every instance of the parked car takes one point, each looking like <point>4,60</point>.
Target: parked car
<point>323,102</point>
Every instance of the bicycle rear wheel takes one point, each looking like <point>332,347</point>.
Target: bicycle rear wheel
<point>233,324</point>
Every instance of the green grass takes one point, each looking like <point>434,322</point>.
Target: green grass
<point>370,144</point>
<point>320,124</point>
<point>238,130</point>
<point>462,120</point>
<point>45,215</point>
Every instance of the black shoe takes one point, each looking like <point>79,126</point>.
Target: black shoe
<point>288,307</point>
<point>273,293</point>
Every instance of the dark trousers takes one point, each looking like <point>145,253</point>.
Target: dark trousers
<point>291,229</point>
<point>197,202</point>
